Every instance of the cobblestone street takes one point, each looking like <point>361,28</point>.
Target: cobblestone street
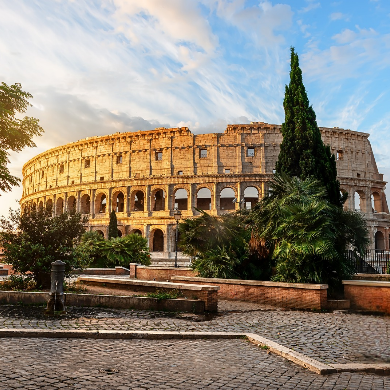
<point>327,337</point>
<point>152,364</point>
<point>190,364</point>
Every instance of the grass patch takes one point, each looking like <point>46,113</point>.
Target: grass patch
<point>161,294</point>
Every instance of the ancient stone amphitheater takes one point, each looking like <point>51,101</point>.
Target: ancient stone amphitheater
<point>145,175</point>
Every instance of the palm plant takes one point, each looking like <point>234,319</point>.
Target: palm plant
<point>307,234</point>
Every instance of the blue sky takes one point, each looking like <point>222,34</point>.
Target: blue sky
<point>97,67</point>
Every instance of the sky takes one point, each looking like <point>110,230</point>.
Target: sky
<point>96,67</point>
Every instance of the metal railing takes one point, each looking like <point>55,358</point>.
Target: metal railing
<point>373,261</point>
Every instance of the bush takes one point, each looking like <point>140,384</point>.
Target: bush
<point>121,251</point>
<point>34,239</point>
<point>18,283</point>
<point>221,246</point>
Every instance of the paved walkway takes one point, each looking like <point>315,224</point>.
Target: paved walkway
<point>142,364</point>
<point>191,364</point>
<point>327,337</point>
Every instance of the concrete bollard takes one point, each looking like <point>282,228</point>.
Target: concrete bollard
<point>56,302</point>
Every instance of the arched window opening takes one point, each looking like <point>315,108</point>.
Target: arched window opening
<point>251,197</point>
<point>100,232</point>
<point>376,202</point>
<point>181,199</point>
<point>358,201</point>
<point>203,199</point>
<point>119,233</point>
<point>158,200</point>
<point>85,204</point>
<point>72,204</point>
<point>59,206</point>
<point>40,206</point>
<point>138,204</point>
<point>119,202</point>
<point>158,241</point>
<point>379,241</point>
<point>136,231</point>
<point>49,205</point>
<point>227,198</point>
<point>103,204</point>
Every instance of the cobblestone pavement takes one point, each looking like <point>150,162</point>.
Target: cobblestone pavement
<point>327,337</point>
<point>155,364</point>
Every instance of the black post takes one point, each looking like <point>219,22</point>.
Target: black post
<point>56,301</point>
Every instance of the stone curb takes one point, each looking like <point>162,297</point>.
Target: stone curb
<point>287,353</point>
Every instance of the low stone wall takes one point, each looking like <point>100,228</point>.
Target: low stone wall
<point>206,293</point>
<point>112,301</point>
<point>144,272</point>
<point>289,295</point>
<point>368,295</point>
<point>103,271</point>
<point>379,277</point>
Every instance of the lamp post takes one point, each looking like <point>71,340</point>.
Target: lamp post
<point>177,215</point>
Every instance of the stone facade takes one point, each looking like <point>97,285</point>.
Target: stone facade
<point>144,175</point>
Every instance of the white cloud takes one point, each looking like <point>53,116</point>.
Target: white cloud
<point>338,16</point>
<point>261,22</point>
<point>312,5</point>
<point>355,52</point>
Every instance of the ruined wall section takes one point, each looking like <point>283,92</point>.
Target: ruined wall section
<point>172,159</point>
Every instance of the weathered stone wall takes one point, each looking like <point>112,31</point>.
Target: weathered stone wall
<point>144,175</point>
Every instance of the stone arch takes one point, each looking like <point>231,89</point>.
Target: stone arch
<point>136,231</point>
<point>158,198</point>
<point>100,232</point>
<point>379,241</point>
<point>359,200</point>
<point>137,200</point>
<point>251,197</point>
<point>156,239</point>
<point>85,204</point>
<point>118,201</point>
<point>49,204</point>
<point>203,198</point>
<point>226,198</point>
<point>40,206</point>
<point>101,203</point>
<point>72,204</point>
<point>376,202</point>
<point>59,206</point>
<point>181,199</point>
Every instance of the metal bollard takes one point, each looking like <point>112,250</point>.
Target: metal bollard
<point>56,302</point>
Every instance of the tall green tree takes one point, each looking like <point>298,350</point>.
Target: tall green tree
<point>302,152</point>
<point>113,226</point>
<point>15,133</point>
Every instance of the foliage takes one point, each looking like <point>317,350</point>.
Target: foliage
<point>302,152</point>
<point>18,283</point>
<point>308,235</point>
<point>220,246</point>
<point>120,251</point>
<point>91,249</point>
<point>113,226</point>
<point>15,134</point>
<point>161,294</point>
<point>36,238</point>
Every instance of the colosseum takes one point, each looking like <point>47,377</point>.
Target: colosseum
<point>144,176</point>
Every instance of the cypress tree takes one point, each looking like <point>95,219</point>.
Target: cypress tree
<point>113,226</point>
<point>302,152</point>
